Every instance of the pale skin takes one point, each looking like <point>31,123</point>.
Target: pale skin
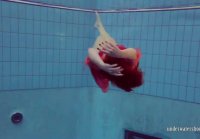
<point>108,46</point>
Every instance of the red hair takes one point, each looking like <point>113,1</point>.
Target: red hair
<point>132,74</point>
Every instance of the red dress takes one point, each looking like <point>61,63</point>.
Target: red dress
<point>132,75</point>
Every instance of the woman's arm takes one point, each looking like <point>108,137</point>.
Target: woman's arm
<point>129,53</point>
<point>113,69</point>
<point>114,51</point>
<point>93,54</point>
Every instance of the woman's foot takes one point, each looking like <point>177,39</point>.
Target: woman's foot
<point>98,21</point>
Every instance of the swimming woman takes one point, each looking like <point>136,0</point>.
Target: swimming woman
<point>112,62</point>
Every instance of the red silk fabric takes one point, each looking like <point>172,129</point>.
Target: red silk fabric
<point>132,75</point>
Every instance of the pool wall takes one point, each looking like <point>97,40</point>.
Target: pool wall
<point>43,75</point>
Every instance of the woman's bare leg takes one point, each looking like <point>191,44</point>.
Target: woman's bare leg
<point>103,34</point>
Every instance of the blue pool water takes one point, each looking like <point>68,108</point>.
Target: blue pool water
<point>43,76</point>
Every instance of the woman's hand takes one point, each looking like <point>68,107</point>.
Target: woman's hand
<point>112,69</point>
<point>110,49</point>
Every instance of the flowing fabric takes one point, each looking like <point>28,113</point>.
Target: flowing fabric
<point>132,75</point>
